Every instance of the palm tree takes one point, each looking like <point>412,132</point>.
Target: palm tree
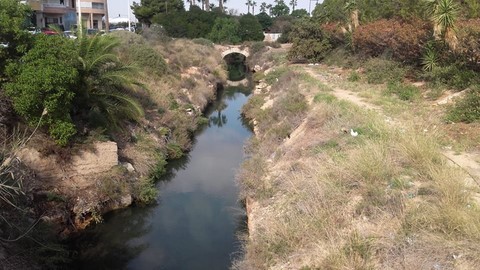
<point>444,14</point>
<point>293,3</point>
<point>220,4</point>
<point>269,7</point>
<point>254,4</point>
<point>248,3</point>
<point>263,7</point>
<point>106,84</point>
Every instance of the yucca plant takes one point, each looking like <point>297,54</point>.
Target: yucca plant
<point>106,84</point>
<point>444,14</point>
<point>430,58</point>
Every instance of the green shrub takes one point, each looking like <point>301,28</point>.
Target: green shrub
<point>454,76</point>
<point>379,70</point>
<point>256,47</point>
<point>145,56</point>
<point>44,83</point>
<point>309,42</point>
<point>466,109</point>
<point>203,41</point>
<point>403,91</point>
<point>354,76</point>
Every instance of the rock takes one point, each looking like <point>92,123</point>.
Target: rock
<point>3,253</point>
<point>128,166</point>
<point>257,68</point>
<point>98,158</point>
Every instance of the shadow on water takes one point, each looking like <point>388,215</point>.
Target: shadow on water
<point>197,218</point>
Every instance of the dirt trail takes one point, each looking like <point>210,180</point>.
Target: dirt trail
<point>470,162</point>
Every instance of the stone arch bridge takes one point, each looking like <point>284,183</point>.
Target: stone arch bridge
<point>229,49</point>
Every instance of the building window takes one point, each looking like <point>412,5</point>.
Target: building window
<point>50,20</point>
<point>98,6</point>
<point>95,24</point>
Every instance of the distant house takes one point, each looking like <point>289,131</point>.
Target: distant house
<point>271,37</point>
<point>64,13</point>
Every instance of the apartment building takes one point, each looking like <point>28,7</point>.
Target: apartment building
<point>64,13</point>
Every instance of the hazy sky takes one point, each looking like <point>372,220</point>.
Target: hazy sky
<point>116,7</point>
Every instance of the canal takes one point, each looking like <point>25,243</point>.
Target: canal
<point>195,222</point>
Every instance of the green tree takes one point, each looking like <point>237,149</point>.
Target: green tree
<point>225,30</point>
<point>309,42</point>
<point>265,20</point>
<point>263,7</point>
<point>13,21</point>
<point>106,85</point>
<point>146,9</point>
<point>43,83</point>
<point>280,9</point>
<point>250,29</point>
<point>299,13</point>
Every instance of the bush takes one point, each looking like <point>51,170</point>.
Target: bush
<point>250,29</point>
<point>466,109</point>
<point>454,76</point>
<point>203,41</point>
<point>403,41</point>
<point>468,33</point>
<point>379,70</point>
<point>43,84</point>
<point>309,42</point>
<point>403,91</point>
<point>256,47</point>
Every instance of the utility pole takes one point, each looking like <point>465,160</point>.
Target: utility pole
<point>107,20</point>
<point>310,6</point>
<point>129,21</point>
<point>79,20</point>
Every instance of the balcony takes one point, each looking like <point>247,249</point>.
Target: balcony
<point>55,4</point>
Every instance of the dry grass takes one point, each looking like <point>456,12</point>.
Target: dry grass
<point>386,199</point>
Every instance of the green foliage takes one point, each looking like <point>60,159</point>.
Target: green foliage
<point>309,42</point>
<point>430,58</point>
<point>256,47</point>
<point>467,109</point>
<point>44,82</point>
<point>203,41</point>
<point>225,31</point>
<point>106,84</point>
<point>265,20</point>
<point>280,9</point>
<point>13,21</point>
<point>403,91</point>
<point>354,76</point>
<point>250,29</point>
<point>380,70</point>
<point>299,13</point>
<point>456,76</point>
<point>146,9</point>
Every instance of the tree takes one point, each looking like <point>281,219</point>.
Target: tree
<point>248,3</point>
<point>220,4</point>
<point>225,30</point>
<point>43,86</point>
<point>263,7</point>
<point>254,4</point>
<point>145,11</point>
<point>299,13</point>
<point>352,9</point>
<point>265,20</point>
<point>280,9</point>
<point>293,3</point>
<point>106,84</point>
<point>13,21</point>
<point>444,14</point>
<point>250,29</point>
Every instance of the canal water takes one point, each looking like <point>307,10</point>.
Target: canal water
<point>195,222</point>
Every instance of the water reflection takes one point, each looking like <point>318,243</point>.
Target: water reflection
<point>195,223</point>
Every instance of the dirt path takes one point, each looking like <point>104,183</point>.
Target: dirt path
<point>470,162</point>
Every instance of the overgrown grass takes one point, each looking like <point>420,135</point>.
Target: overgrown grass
<point>333,201</point>
<point>467,109</point>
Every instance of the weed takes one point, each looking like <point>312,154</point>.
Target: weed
<point>467,109</point>
<point>354,76</point>
<point>380,70</point>
<point>403,91</point>
<point>323,97</point>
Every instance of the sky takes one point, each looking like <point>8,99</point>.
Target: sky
<point>116,7</point>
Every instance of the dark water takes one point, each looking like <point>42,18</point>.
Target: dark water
<point>194,223</point>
